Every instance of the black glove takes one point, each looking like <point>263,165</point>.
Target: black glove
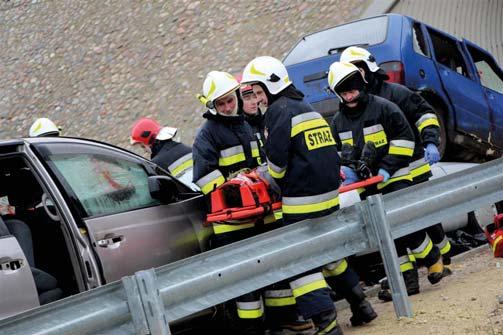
<point>363,170</point>
<point>369,153</point>
<point>348,155</point>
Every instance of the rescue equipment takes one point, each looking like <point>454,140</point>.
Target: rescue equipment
<point>494,234</point>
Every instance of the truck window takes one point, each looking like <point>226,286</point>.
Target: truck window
<point>489,73</point>
<point>363,32</point>
<point>418,41</point>
<point>447,53</point>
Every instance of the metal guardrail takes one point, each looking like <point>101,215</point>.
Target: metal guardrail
<point>147,302</point>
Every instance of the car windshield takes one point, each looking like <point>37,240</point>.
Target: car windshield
<point>364,32</point>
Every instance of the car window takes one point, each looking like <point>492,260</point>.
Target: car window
<point>489,73</point>
<point>99,181</point>
<point>447,53</point>
<point>418,41</point>
<point>364,32</point>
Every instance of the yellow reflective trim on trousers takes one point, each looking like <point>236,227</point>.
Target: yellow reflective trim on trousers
<point>446,248</point>
<point>400,151</point>
<point>182,167</point>
<point>304,209</point>
<point>406,266</point>
<point>428,122</point>
<point>328,328</point>
<point>207,188</point>
<point>337,271</point>
<point>250,314</point>
<point>392,180</point>
<point>226,161</point>
<point>275,174</point>
<point>306,125</point>
<point>496,242</point>
<point>278,214</point>
<point>304,289</point>
<point>280,302</point>
<point>226,228</point>
<point>425,252</point>
<point>420,170</point>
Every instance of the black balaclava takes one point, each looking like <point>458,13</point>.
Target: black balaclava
<point>374,79</point>
<point>353,82</point>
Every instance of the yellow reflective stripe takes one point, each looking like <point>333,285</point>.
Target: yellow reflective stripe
<point>402,174</point>
<point>496,242</point>
<point>411,258</point>
<point>328,328</point>
<point>278,214</point>
<point>275,174</point>
<point>446,248</point>
<point>426,123</point>
<point>400,151</point>
<point>226,161</point>
<point>337,270</point>
<point>226,228</point>
<point>255,153</point>
<point>416,172</point>
<point>348,141</point>
<point>251,314</point>
<point>310,208</point>
<point>182,167</point>
<point>279,302</point>
<point>425,250</point>
<point>406,266</point>
<point>313,286</point>
<point>306,125</point>
<point>210,181</point>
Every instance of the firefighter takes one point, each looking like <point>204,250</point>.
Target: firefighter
<point>366,121</point>
<point>224,145</point>
<point>424,124</point>
<point>252,113</point>
<point>43,127</point>
<point>302,158</point>
<point>171,155</point>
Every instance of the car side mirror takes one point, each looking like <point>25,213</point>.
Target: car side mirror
<point>162,188</point>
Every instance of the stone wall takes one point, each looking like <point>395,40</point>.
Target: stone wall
<point>95,66</point>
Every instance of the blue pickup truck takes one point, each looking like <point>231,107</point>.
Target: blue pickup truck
<point>462,81</point>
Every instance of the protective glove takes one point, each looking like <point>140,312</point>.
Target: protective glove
<point>351,176</point>
<point>363,171</point>
<point>384,174</point>
<point>431,154</point>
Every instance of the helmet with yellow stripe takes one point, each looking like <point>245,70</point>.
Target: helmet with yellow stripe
<point>356,54</point>
<point>269,71</point>
<point>216,85</point>
<point>344,77</point>
<point>43,127</point>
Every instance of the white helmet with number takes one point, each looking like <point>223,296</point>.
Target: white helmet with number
<point>216,85</point>
<point>43,127</point>
<point>166,133</point>
<point>339,72</point>
<point>357,54</point>
<point>269,71</point>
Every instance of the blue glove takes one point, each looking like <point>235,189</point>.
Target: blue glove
<point>384,174</point>
<point>431,154</point>
<point>351,176</point>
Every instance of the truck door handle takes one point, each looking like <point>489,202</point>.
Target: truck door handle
<point>110,241</point>
<point>421,73</point>
<point>10,265</point>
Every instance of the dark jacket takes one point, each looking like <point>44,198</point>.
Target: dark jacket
<point>223,145</point>
<point>419,114</point>
<point>380,121</point>
<point>257,123</point>
<point>302,157</point>
<point>172,156</point>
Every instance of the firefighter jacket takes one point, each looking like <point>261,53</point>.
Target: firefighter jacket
<point>257,123</point>
<point>421,117</point>
<point>223,145</point>
<point>380,121</point>
<point>172,156</point>
<point>302,157</point>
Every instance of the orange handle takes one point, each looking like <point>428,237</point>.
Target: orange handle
<point>363,183</point>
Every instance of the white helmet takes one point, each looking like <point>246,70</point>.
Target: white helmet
<point>357,54</point>
<point>339,72</point>
<point>43,127</point>
<point>216,85</point>
<point>166,133</point>
<point>268,71</point>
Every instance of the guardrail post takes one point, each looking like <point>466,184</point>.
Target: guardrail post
<point>145,304</point>
<point>377,218</point>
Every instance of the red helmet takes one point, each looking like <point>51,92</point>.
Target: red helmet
<point>244,89</point>
<point>144,131</point>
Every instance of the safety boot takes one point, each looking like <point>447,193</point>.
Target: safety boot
<point>436,272</point>
<point>327,324</point>
<point>298,327</point>
<point>411,279</point>
<point>360,307</point>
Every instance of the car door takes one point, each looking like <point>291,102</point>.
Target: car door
<point>460,84</point>
<point>491,80</point>
<point>17,287</point>
<point>129,230</point>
